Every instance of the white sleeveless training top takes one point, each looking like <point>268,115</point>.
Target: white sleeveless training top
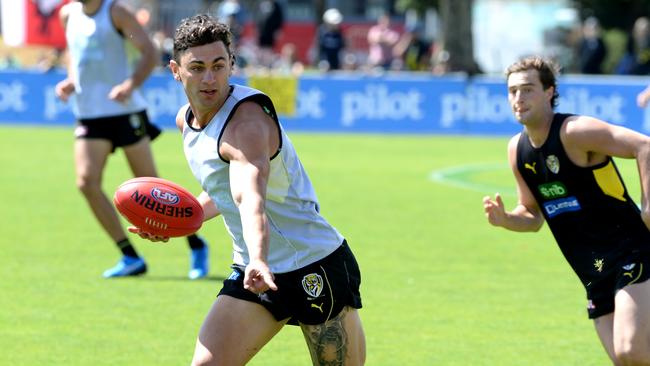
<point>98,62</point>
<point>299,235</point>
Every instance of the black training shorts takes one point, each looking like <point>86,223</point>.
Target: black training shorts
<point>310,295</point>
<point>634,269</point>
<point>121,130</point>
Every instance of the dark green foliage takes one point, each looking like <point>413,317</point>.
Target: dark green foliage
<point>419,5</point>
<point>613,14</point>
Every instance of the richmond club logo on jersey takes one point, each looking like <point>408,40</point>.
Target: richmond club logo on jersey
<point>163,196</point>
<point>312,284</point>
<point>553,164</point>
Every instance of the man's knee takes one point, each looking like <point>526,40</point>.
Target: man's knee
<point>203,359</point>
<point>88,187</point>
<point>629,354</point>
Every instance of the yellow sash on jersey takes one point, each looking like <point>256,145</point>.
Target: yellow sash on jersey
<point>609,181</point>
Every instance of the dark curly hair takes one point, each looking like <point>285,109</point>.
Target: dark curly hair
<point>546,69</point>
<point>199,30</point>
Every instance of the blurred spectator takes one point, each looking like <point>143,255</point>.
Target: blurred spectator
<point>636,60</point>
<point>9,61</point>
<point>49,60</point>
<point>561,44</point>
<point>231,12</point>
<point>592,49</point>
<point>413,49</point>
<point>440,61</point>
<point>350,62</point>
<point>330,40</point>
<point>143,16</point>
<point>165,46</point>
<point>270,19</point>
<point>381,40</point>
<point>288,63</point>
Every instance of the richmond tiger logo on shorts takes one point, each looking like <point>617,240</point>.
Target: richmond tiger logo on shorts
<point>312,284</point>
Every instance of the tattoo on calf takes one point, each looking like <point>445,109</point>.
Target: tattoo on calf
<point>328,341</point>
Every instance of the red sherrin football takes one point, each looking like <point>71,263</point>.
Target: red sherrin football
<point>159,207</point>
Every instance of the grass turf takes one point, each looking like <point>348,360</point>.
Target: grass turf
<point>440,285</point>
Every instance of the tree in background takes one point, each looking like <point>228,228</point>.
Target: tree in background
<point>617,19</point>
<point>456,40</point>
<point>420,6</point>
<point>620,14</point>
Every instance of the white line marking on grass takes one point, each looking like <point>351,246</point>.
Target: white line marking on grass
<point>461,176</point>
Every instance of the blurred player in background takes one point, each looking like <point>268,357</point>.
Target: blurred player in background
<point>290,265</point>
<point>565,175</point>
<point>111,113</point>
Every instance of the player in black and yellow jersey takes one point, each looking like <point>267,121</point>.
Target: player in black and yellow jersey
<point>566,176</point>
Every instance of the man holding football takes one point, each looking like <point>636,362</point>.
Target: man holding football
<point>566,176</point>
<point>290,265</point>
<point>111,113</point>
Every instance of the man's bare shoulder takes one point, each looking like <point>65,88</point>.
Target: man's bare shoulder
<point>251,126</point>
<point>514,140</point>
<point>579,125</point>
<point>251,114</point>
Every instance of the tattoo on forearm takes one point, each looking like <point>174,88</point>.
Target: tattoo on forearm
<point>328,342</point>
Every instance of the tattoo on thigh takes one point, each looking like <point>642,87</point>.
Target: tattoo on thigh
<point>328,341</point>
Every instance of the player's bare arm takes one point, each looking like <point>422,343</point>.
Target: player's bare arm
<point>132,31</point>
<point>248,142</point>
<point>210,209</point>
<point>589,140</point>
<point>65,87</point>
<point>526,216</point>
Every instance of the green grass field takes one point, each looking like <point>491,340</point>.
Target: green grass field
<point>440,285</point>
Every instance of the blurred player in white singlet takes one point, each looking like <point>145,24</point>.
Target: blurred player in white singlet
<point>111,113</point>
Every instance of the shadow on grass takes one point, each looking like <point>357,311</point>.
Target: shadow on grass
<point>180,278</point>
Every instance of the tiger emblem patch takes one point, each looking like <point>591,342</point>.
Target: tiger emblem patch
<point>553,164</point>
<point>312,284</point>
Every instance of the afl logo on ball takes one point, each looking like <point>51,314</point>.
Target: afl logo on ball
<point>164,196</point>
